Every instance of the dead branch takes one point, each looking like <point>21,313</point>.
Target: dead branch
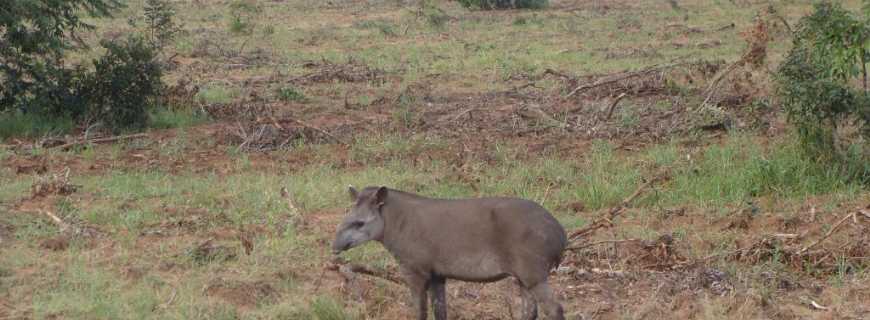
<point>355,268</point>
<point>334,138</point>
<point>624,76</point>
<point>587,245</point>
<point>613,105</point>
<point>534,112</point>
<point>100,140</point>
<point>714,85</point>
<point>828,234</point>
<point>614,212</point>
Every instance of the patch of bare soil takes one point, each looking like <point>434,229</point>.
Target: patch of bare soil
<point>241,293</point>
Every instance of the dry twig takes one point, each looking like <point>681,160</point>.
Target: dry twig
<point>624,76</point>
<point>613,105</point>
<point>66,146</point>
<point>830,232</point>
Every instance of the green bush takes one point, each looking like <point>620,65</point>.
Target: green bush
<point>504,4</point>
<point>823,88</point>
<point>125,82</point>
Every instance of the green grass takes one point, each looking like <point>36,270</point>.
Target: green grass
<point>216,93</point>
<point>739,169</point>
<point>163,118</point>
<point>83,291</point>
<point>16,124</point>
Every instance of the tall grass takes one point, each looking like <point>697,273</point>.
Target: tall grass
<point>30,125</point>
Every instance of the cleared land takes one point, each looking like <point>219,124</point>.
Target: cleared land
<point>574,106</point>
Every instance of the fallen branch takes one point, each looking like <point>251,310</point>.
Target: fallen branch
<point>66,146</point>
<point>613,213</point>
<point>714,85</point>
<point>830,232</point>
<point>355,268</point>
<point>613,105</point>
<point>625,76</point>
<point>534,112</point>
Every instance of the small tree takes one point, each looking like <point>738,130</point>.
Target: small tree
<point>822,82</point>
<point>160,20</point>
<point>126,81</point>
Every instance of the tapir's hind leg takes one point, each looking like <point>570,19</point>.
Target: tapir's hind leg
<point>438,293</point>
<point>547,301</point>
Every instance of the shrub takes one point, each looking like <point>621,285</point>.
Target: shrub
<point>820,86</point>
<point>504,4</point>
<point>242,15</point>
<point>125,82</point>
<point>288,94</point>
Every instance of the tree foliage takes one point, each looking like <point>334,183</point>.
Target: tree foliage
<point>33,37</point>
<point>823,82</point>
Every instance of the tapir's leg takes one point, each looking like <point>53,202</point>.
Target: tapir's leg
<point>418,285</point>
<point>547,301</point>
<point>438,290</point>
<point>529,307</point>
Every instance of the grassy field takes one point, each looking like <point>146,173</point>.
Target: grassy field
<point>190,221</point>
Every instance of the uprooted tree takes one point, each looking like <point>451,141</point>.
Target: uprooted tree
<point>823,87</point>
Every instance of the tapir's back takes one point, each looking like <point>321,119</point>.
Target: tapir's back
<point>484,239</point>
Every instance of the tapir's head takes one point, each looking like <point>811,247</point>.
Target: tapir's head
<point>364,221</point>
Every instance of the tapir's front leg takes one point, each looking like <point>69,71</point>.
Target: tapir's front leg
<point>418,283</point>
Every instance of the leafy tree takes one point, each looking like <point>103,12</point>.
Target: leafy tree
<point>33,37</point>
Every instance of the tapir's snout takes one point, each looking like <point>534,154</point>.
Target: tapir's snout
<point>342,242</point>
<point>338,247</point>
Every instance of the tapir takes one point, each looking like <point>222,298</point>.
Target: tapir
<point>475,239</point>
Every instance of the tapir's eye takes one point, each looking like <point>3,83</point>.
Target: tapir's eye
<point>356,224</point>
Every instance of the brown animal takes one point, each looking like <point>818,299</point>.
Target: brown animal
<point>479,240</point>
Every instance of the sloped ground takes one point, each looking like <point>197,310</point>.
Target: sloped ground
<point>573,106</point>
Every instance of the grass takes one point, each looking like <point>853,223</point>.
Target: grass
<point>17,124</point>
<point>217,93</point>
<point>163,118</point>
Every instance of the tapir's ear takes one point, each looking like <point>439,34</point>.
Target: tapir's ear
<point>379,196</point>
<point>352,192</point>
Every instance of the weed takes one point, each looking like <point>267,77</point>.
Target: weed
<point>288,94</point>
<point>243,14</point>
<point>217,94</point>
